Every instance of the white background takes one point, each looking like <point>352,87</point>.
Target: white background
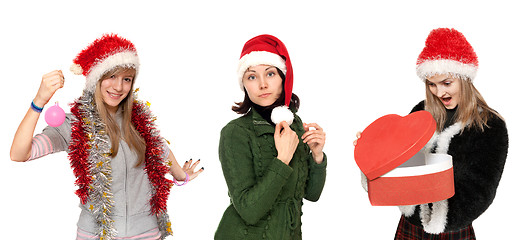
<point>353,62</point>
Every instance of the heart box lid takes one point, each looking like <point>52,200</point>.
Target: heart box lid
<point>391,140</point>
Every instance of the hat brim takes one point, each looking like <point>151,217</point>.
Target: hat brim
<point>255,58</point>
<point>122,59</point>
<point>430,68</point>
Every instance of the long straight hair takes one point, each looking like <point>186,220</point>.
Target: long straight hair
<point>130,135</point>
<point>472,110</point>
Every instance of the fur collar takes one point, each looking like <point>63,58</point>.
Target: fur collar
<point>434,218</point>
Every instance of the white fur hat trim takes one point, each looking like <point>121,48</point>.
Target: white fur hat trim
<point>124,59</point>
<point>444,66</point>
<point>255,58</point>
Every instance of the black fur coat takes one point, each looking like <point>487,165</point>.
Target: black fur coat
<point>478,159</point>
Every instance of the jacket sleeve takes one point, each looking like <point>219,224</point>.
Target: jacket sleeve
<point>484,154</point>
<point>316,179</point>
<point>252,197</point>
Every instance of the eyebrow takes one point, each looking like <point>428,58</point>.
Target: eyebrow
<point>250,70</point>
<point>428,81</point>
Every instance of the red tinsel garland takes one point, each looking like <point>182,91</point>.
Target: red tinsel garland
<point>79,154</point>
<point>154,166</point>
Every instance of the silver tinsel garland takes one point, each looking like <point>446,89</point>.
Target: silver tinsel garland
<point>101,201</point>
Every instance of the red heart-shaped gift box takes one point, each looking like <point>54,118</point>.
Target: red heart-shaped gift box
<point>397,172</point>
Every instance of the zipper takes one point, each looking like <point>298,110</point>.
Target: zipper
<point>125,194</point>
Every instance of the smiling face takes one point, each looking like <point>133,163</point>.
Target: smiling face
<point>263,84</point>
<point>115,88</point>
<point>446,88</point>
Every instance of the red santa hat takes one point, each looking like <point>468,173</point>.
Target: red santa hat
<point>269,50</point>
<point>102,55</point>
<point>447,51</point>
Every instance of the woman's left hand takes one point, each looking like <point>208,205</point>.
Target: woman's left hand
<point>178,171</point>
<point>189,167</point>
<point>314,136</point>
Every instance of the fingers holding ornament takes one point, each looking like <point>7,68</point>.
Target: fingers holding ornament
<point>51,82</point>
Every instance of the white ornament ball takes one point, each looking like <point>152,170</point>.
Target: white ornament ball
<point>281,114</point>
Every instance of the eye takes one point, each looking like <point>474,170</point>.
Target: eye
<point>128,79</point>
<point>271,74</point>
<point>251,77</point>
<point>447,83</point>
<point>113,76</point>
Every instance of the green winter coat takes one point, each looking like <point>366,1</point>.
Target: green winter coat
<point>266,195</point>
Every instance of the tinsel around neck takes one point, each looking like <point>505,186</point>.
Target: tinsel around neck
<point>89,154</point>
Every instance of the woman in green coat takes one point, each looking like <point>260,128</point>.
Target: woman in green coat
<point>271,160</point>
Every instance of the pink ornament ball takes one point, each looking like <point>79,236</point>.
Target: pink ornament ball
<point>55,116</point>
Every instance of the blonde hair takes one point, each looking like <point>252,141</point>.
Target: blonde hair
<point>473,110</point>
<point>130,135</point>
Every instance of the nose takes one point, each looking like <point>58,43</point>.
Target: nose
<point>263,83</point>
<point>118,84</point>
<point>441,91</point>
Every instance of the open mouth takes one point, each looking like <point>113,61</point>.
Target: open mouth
<point>446,100</point>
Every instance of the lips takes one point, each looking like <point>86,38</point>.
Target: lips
<point>114,96</point>
<point>264,95</point>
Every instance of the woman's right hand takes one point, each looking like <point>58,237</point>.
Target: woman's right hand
<point>358,136</point>
<point>50,83</point>
<point>286,141</point>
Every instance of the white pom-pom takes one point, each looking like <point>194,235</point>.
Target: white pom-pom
<point>282,113</point>
<point>76,69</point>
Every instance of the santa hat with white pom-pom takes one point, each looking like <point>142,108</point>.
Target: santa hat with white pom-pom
<point>269,50</point>
<point>102,55</point>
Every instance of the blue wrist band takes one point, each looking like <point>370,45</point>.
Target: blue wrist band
<point>36,108</point>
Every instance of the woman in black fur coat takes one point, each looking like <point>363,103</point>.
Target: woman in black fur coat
<point>469,130</point>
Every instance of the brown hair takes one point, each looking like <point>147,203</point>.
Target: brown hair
<point>244,106</point>
<point>130,135</point>
<point>472,107</point>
